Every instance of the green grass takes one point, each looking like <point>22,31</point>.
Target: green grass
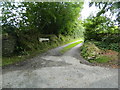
<point>11,60</point>
<point>15,59</point>
<point>70,46</point>
<point>101,59</point>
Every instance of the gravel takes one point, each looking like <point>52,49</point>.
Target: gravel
<point>54,70</point>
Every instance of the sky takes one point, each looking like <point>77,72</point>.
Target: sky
<point>87,11</point>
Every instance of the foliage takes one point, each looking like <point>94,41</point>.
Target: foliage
<point>113,7</point>
<point>53,18</point>
<point>101,34</point>
<point>11,17</point>
<point>31,53</point>
<point>46,18</point>
<point>92,52</point>
<point>89,50</point>
<point>99,28</point>
<point>28,21</point>
<point>106,45</point>
<point>111,38</point>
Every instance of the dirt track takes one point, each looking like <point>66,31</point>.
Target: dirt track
<point>53,70</point>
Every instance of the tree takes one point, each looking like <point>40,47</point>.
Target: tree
<point>97,27</point>
<point>46,18</point>
<point>28,21</point>
<point>113,7</point>
<point>12,16</point>
<point>52,18</point>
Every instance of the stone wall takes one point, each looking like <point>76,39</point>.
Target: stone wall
<point>8,45</point>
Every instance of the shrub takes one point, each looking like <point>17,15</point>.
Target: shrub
<point>111,38</point>
<point>89,50</point>
<point>95,51</point>
<point>106,45</point>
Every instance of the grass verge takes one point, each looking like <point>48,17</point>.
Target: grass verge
<point>101,59</point>
<point>70,46</point>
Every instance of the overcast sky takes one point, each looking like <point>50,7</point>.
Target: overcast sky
<point>87,11</point>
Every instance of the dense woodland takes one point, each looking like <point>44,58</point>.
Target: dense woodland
<point>33,20</point>
<point>24,23</point>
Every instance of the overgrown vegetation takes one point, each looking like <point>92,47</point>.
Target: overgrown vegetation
<point>23,23</point>
<point>107,46</point>
<point>26,22</point>
<point>101,29</point>
<point>90,51</point>
<point>102,36</point>
<point>42,48</point>
<point>94,54</point>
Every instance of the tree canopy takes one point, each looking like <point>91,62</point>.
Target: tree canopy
<point>101,26</point>
<point>47,17</point>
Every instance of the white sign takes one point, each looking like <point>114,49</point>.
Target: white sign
<point>43,39</point>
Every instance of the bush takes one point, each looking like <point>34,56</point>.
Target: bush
<point>106,45</point>
<point>89,50</point>
<point>96,51</point>
<point>111,38</point>
<point>29,41</point>
<point>101,29</point>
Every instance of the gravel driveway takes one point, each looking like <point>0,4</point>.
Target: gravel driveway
<point>54,70</point>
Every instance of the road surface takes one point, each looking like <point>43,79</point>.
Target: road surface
<point>54,70</point>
